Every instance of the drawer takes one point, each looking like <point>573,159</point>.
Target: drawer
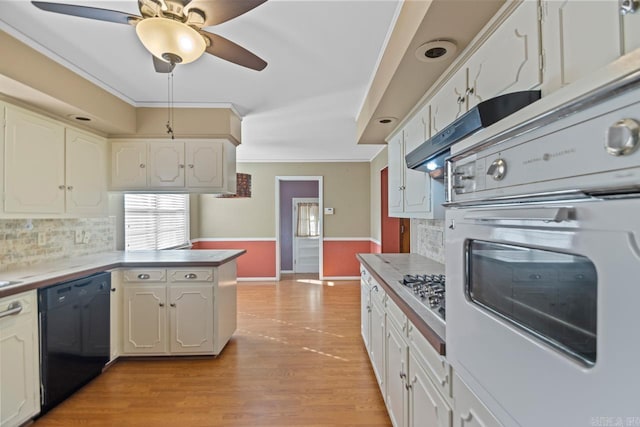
<point>145,275</point>
<point>22,303</point>
<point>191,275</point>
<point>436,366</point>
<point>397,316</point>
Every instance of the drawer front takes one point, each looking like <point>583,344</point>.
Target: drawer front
<point>142,275</point>
<point>436,366</point>
<point>189,275</point>
<point>18,304</point>
<point>397,316</point>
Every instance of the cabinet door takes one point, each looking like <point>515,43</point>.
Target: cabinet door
<point>492,72</point>
<point>205,164</point>
<point>20,385</point>
<point>115,315</point>
<point>145,319</point>
<point>468,410</point>
<point>365,313</point>
<point>34,164</point>
<point>396,369</point>
<point>417,185</point>
<point>86,173</point>
<point>376,351</point>
<point>397,166</point>
<point>128,165</point>
<point>191,319</point>
<point>166,164</point>
<point>578,37</point>
<point>427,407</point>
<point>631,24</point>
<point>449,103</point>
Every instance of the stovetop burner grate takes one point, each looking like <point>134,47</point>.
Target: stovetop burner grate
<point>428,289</point>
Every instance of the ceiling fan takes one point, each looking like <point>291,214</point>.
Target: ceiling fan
<point>172,29</point>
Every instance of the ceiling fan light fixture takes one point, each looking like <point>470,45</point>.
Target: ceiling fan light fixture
<point>167,38</point>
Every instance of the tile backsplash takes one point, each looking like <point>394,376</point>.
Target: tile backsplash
<point>427,238</point>
<point>25,242</point>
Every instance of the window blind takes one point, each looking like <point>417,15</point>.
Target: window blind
<point>156,221</point>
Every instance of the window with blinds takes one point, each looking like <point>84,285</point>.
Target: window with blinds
<point>156,221</point>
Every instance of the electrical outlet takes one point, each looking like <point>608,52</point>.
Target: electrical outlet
<point>42,238</point>
<point>79,236</point>
<point>86,238</point>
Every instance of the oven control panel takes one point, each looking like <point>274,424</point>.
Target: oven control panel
<point>593,151</point>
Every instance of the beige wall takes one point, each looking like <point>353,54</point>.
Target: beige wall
<point>346,189</point>
<point>377,164</point>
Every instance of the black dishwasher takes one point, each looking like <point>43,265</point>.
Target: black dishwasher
<point>74,335</point>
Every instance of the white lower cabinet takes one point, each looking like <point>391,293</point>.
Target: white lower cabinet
<point>396,364</point>
<point>377,344</point>
<point>115,318</point>
<point>427,407</point>
<point>469,411</point>
<point>365,310</point>
<point>20,384</point>
<point>168,317</point>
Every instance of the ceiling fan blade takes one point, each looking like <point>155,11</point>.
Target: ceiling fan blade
<point>229,51</point>
<point>161,66</point>
<point>219,11</point>
<point>88,12</point>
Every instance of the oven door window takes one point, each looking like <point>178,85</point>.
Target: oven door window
<point>550,295</point>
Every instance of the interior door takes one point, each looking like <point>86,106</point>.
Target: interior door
<point>306,239</point>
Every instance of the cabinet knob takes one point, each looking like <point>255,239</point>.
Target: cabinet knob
<point>70,187</point>
<point>403,375</point>
<point>173,304</point>
<point>142,165</point>
<point>113,289</point>
<point>161,304</point>
<point>143,276</point>
<point>460,100</point>
<point>629,6</point>
<point>191,276</point>
<point>190,166</point>
<point>181,166</point>
<point>469,91</point>
<point>61,187</point>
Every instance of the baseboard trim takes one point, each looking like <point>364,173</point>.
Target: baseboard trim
<point>340,278</point>
<point>257,279</point>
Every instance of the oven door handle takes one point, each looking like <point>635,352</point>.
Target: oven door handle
<point>555,214</point>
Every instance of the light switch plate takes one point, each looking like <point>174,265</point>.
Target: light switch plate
<point>328,211</point>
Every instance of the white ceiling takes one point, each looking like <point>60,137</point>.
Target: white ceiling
<point>303,106</point>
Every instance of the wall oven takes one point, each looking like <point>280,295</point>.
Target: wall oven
<point>543,263</point>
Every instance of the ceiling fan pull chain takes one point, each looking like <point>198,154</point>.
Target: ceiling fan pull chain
<point>170,105</point>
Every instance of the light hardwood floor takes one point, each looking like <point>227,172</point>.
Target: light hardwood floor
<point>297,359</point>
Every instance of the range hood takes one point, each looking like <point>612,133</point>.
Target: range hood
<point>430,155</point>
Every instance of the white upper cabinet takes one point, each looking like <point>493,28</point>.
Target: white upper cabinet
<point>195,165</point>
<point>395,152</point>
<point>449,103</point>
<point>631,25</point>
<point>578,37</point>
<point>34,164</point>
<point>128,164</point>
<point>50,169</point>
<point>86,173</point>
<point>166,164</point>
<point>509,61</point>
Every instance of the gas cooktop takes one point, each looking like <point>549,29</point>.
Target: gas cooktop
<point>429,289</point>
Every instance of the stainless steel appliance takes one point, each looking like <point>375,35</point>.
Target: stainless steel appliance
<point>543,258</point>
<point>74,335</point>
<point>429,289</point>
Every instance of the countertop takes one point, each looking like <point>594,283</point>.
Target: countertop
<point>388,270</point>
<point>49,273</point>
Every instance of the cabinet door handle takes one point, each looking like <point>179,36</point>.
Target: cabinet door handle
<point>181,166</point>
<point>190,166</point>
<point>13,309</point>
<point>173,304</point>
<point>190,276</point>
<point>375,288</point>
<point>403,375</point>
<point>70,187</point>
<point>113,289</point>
<point>161,304</point>
<point>460,100</point>
<point>469,91</point>
<point>143,276</point>
<point>142,166</point>
<point>61,187</point>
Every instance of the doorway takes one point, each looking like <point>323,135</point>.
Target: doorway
<point>306,233</point>
<point>288,188</point>
<point>396,232</point>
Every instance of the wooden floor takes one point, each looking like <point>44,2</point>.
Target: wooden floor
<point>297,359</point>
